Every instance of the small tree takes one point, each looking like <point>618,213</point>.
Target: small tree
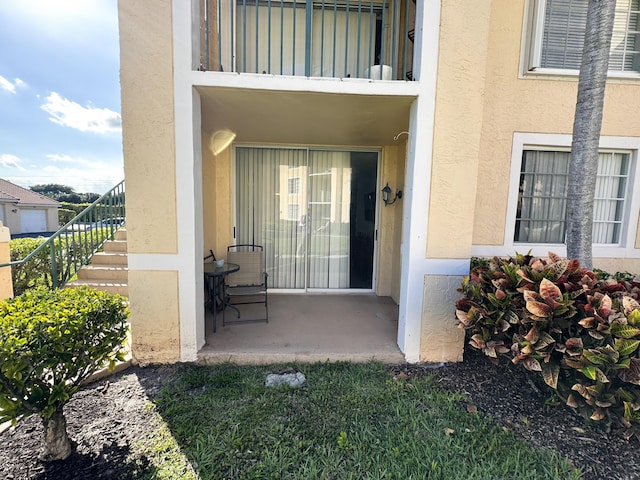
<point>50,341</point>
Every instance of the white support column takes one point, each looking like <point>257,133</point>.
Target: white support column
<point>188,185</point>
<point>418,181</point>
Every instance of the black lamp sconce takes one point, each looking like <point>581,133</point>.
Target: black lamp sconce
<point>386,195</point>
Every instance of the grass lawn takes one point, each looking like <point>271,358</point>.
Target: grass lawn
<point>351,421</point>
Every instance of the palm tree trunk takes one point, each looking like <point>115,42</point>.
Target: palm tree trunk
<point>586,130</point>
<point>58,446</point>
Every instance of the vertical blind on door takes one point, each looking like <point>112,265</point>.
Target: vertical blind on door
<point>295,203</point>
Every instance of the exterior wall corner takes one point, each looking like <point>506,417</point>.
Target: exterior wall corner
<point>440,339</point>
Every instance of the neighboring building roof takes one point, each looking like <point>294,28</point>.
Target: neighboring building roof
<point>23,196</point>
<point>6,196</point>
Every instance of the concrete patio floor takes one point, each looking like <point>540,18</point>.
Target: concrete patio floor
<point>308,328</point>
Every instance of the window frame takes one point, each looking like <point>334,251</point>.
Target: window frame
<point>560,142</point>
<point>531,51</point>
<point>295,183</point>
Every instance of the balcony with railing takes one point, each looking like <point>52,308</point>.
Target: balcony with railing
<point>370,39</point>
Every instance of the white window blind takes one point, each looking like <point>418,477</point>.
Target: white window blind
<point>558,35</point>
<point>542,197</point>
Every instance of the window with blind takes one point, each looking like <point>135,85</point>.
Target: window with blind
<point>542,197</point>
<point>557,38</point>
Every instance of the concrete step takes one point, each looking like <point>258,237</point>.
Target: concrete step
<point>112,273</point>
<point>121,235</point>
<point>105,286</point>
<point>116,259</point>
<point>115,246</point>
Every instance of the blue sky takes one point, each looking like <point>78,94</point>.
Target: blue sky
<point>60,93</point>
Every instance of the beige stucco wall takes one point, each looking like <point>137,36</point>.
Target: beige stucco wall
<point>458,117</point>
<point>52,219</point>
<point>11,218</point>
<point>390,223</point>
<point>459,113</point>
<point>217,199</point>
<point>6,284</point>
<point>155,326</point>
<point>537,105</point>
<point>146,77</point>
<point>440,338</point>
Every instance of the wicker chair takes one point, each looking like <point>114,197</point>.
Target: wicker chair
<point>249,284</point>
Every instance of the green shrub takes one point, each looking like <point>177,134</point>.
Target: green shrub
<point>70,250</point>
<point>50,341</point>
<point>35,273</point>
<point>75,207</point>
<point>554,317</point>
<point>65,215</point>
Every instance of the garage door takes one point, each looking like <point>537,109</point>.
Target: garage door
<point>33,221</point>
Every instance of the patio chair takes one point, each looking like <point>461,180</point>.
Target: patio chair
<point>209,288</point>
<point>249,284</point>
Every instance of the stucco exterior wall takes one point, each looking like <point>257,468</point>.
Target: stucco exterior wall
<point>537,104</point>
<point>6,283</point>
<point>390,223</point>
<point>613,265</point>
<point>52,219</point>
<point>146,78</point>
<point>400,168</point>
<point>440,338</point>
<point>217,199</point>
<point>154,306</point>
<point>11,218</point>
<point>459,112</point>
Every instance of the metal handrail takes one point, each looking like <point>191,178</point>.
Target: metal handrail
<point>72,246</point>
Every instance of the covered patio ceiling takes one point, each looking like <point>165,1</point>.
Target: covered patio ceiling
<point>304,118</point>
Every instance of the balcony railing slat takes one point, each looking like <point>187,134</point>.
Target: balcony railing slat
<point>361,35</point>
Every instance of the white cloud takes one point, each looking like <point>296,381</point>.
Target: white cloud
<point>9,86</point>
<point>61,158</point>
<point>86,119</point>
<point>82,174</point>
<point>8,160</point>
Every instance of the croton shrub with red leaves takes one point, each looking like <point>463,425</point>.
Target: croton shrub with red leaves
<point>556,318</point>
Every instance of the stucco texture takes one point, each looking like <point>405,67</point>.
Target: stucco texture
<point>440,340</point>
<point>537,104</point>
<point>6,283</point>
<point>217,199</point>
<point>390,226</point>
<point>154,306</point>
<point>458,119</point>
<point>146,77</point>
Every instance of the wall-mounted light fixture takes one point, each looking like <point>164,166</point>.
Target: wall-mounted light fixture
<point>386,195</point>
<point>220,140</point>
<point>14,210</point>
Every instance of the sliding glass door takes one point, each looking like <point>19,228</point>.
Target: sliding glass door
<point>313,211</point>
